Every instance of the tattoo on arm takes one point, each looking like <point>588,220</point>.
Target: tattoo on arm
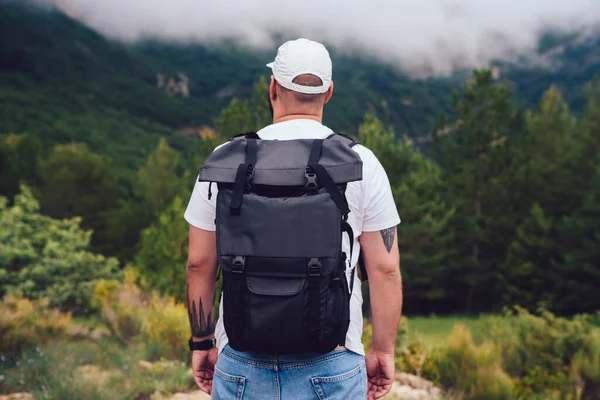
<point>388,238</point>
<point>202,324</point>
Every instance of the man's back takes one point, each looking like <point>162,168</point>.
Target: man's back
<point>300,86</point>
<point>371,205</point>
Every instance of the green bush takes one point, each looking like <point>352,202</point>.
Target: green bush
<point>539,351</point>
<point>472,372</point>
<point>136,315</point>
<point>45,257</point>
<point>586,366</point>
<point>25,323</point>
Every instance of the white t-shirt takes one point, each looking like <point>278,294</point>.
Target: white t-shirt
<point>372,209</point>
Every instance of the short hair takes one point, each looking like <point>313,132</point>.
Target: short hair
<point>303,98</point>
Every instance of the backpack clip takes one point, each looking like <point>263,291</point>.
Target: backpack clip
<point>314,267</point>
<point>238,264</point>
<point>310,179</point>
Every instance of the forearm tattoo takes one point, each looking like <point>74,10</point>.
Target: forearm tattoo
<point>388,238</point>
<point>201,323</point>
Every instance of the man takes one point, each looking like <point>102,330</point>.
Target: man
<point>301,85</point>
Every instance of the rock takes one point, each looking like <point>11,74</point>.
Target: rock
<point>196,395</point>
<point>403,392</point>
<point>412,387</point>
<point>145,364</point>
<point>159,365</point>
<point>16,396</point>
<point>93,373</point>
<point>413,381</point>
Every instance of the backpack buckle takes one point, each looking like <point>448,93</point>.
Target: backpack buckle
<point>314,267</point>
<point>310,179</point>
<point>238,264</point>
<point>249,177</point>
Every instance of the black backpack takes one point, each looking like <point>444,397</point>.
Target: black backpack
<point>281,213</point>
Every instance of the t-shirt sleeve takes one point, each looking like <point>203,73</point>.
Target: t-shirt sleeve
<point>380,210</point>
<point>200,210</point>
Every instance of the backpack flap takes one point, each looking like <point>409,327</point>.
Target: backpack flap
<point>282,162</point>
<point>268,230</point>
<point>284,287</point>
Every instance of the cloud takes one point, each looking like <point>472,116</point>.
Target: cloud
<point>419,35</point>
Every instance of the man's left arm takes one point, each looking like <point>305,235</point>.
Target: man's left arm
<point>201,276</point>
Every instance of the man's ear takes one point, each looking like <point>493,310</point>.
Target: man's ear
<point>273,89</point>
<point>329,93</point>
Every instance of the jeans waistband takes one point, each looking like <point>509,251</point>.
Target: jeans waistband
<point>284,360</point>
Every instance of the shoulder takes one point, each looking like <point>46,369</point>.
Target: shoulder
<point>370,161</point>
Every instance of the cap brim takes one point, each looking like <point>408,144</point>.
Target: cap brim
<point>270,65</point>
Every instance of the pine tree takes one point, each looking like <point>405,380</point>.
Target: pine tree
<point>472,150</point>
<point>242,116</point>
<point>158,180</point>
<point>76,182</point>
<point>423,235</point>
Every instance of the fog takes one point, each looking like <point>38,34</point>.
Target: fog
<point>418,35</point>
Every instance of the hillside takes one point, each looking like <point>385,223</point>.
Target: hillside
<point>567,61</point>
<point>62,81</point>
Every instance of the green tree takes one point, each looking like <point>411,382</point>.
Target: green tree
<point>45,257</point>
<point>530,274</point>
<point>162,255</point>
<point>19,155</point>
<point>424,235</point>
<point>553,259</point>
<point>163,251</point>
<point>472,149</point>
<point>158,180</point>
<point>242,116</point>
<point>579,261</point>
<point>78,183</point>
<point>153,189</point>
<point>553,146</point>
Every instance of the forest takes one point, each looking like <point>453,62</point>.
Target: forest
<point>502,209</point>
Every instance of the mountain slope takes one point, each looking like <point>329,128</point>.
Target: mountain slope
<point>567,61</point>
<point>64,82</point>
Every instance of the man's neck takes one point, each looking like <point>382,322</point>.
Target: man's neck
<point>289,117</point>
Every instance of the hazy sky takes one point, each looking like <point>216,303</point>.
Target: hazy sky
<point>413,33</point>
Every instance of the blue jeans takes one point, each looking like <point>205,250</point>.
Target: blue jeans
<point>340,374</point>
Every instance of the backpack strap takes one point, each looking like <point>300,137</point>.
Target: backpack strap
<point>363,270</point>
<point>314,168</point>
<point>361,263</point>
<point>245,174</point>
<point>348,230</point>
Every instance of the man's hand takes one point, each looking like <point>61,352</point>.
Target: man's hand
<point>380,373</point>
<point>203,368</point>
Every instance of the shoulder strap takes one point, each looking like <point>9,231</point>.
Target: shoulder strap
<point>247,135</point>
<point>324,178</point>
<point>361,263</point>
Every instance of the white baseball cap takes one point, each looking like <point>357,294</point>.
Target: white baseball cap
<point>299,57</point>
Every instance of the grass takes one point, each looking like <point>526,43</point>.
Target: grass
<point>434,330</point>
<point>101,368</point>
<point>94,369</point>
